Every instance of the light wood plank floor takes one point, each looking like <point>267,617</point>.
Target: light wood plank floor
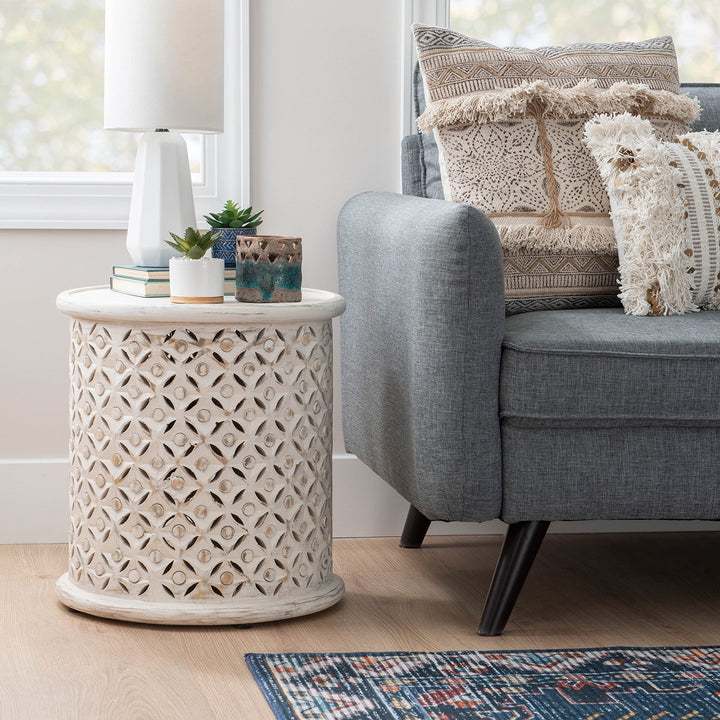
<point>584,591</point>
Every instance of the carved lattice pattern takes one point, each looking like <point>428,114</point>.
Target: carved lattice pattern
<point>200,460</point>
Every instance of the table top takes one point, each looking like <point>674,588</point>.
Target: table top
<point>101,303</point>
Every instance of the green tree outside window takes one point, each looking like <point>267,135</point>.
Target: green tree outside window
<point>693,24</point>
<point>52,75</point>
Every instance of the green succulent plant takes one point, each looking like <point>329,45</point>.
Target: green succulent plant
<point>234,217</point>
<point>194,245</point>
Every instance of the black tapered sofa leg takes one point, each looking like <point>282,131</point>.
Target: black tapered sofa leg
<point>522,541</point>
<point>416,525</point>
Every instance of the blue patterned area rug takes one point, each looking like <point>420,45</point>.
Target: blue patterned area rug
<point>681,683</point>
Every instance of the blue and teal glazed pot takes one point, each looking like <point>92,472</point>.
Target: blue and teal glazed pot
<point>269,269</point>
<point>225,247</point>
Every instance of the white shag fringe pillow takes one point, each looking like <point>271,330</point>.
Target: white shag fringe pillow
<point>665,208</point>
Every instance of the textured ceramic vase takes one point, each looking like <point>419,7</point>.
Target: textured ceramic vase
<point>197,281</point>
<point>226,246</point>
<point>269,269</point>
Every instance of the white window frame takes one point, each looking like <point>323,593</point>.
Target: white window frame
<point>102,200</point>
<point>427,12</point>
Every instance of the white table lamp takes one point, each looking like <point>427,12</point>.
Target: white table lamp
<point>163,76</point>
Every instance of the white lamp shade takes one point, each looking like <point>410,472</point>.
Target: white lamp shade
<point>164,65</point>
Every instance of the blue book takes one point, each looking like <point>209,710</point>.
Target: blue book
<point>147,272</point>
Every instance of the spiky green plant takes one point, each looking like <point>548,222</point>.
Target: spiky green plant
<point>193,245</point>
<point>234,217</point>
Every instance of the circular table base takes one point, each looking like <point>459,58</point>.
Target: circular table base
<point>235,612</point>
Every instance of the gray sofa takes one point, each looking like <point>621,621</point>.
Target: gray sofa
<point>471,415</point>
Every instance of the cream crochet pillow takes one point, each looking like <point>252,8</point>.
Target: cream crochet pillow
<point>509,126</point>
<point>665,208</point>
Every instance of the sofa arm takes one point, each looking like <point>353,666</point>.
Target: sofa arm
<point>420,344</point>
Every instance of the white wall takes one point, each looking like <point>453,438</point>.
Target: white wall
<point>325,120</point>
<point>325,124</point>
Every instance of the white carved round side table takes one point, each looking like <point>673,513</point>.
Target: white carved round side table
<point>200,458</point>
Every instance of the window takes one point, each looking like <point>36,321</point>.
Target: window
<point>428,12</point>
<point>58,166</point>
<point>693,24</point>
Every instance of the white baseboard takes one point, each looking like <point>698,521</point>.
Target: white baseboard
<point>34,506</point>
<point>366,506</point>
<point>33,501</point>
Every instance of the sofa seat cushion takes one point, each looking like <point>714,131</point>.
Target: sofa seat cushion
<point>600,367</point>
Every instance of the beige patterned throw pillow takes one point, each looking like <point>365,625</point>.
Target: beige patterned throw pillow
<point>665,200</point>
<point>509,126</point>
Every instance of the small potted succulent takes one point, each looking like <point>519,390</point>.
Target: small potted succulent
<point>195,278</point>
<point>232,222</point>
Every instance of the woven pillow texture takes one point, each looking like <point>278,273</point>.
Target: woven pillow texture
<point>509,126</point>
<point>665,200</point>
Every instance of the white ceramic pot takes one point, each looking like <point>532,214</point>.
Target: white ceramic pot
<point>197,281</point>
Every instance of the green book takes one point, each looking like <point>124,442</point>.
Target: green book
<point>141,288</point>
<point>141,272</point>
<point>156,288</point>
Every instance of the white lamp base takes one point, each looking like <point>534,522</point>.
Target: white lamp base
<point>162,199</point>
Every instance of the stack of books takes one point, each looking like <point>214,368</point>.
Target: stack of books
<point>146,281</point>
